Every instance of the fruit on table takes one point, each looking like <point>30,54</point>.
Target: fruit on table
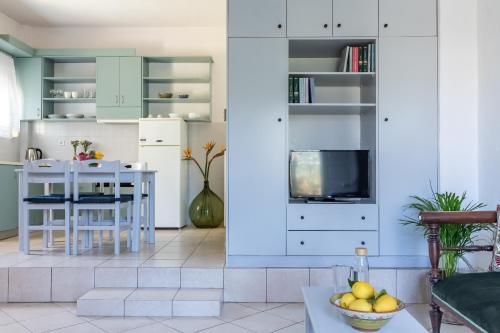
<point>360,305</point>
<point>363,290</point>
<point>346,300</point>
<point>385,303</point>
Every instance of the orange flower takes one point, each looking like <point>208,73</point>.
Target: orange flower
<point>209,145</point>
<point>222,149</point>
<point>187,153</point>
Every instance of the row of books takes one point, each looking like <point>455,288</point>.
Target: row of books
<point>358,59</point>
<point>301,90</point>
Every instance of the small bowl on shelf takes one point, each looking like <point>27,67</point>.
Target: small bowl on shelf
<point>165,95</point>
<point>56,116</point>
<point>183,96</point>
<point>173,115</point>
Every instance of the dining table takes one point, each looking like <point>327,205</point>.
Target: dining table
<point>143,182</point>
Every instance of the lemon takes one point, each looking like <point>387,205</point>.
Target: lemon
<point>363,290</point>
<point>360,305</point>
<point>385,303</point>
<point>347,299</point>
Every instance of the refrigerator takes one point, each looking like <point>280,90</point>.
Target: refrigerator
<point>161,142</point>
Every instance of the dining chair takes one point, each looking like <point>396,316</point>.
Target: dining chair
<point>46,172</point>
<point>99,171</point>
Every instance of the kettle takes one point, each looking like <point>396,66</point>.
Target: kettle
<point>33,154</point>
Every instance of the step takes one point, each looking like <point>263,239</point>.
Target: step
<point>150,302</point>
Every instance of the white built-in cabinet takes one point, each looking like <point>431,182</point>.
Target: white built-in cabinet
<point>257,158</point>
<point>408,136</point>
<point>408,18</point>
<point>398,121</point>
<point>257,18</point>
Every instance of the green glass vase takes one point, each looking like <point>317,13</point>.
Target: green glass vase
<point>207,209</point>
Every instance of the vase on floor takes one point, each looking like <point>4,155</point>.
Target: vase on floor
<point>207,209</point>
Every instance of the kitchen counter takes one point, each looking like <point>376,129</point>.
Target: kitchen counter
<point>10,163</point>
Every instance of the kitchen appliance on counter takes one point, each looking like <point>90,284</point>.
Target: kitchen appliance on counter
<point>33,154</point>
<point>161,141</point>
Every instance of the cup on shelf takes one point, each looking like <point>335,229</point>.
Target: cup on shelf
<point>193,115</point>
<point>74,94</point>
<point>67,94</point>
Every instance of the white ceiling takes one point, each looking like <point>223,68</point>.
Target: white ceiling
<point>116,13</point>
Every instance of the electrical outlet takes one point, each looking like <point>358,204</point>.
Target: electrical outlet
<point>62,142</point>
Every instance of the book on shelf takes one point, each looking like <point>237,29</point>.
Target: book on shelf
<point>357,58</point>
<point>301,90</point>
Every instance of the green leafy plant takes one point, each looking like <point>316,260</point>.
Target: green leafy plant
<point>451,235</point>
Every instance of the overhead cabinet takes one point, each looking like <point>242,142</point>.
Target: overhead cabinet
<point>257,18</point>
<point>355,18</point>
<point>408,18</point>
<point>311,18</point>
<point>29,78</point>
<point>119,86</point>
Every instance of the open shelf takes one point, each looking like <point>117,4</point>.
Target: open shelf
<point>74,120</point>
<point>70,79</point>
<point>177,100</point>
<point>70,100</point>
<point>175,80</point>
<point>330,108</point>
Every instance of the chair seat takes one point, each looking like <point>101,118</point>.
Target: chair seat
<point>46,199</point>
<point>475,296</point>
<point>102,199</point>
<point>131,196</point>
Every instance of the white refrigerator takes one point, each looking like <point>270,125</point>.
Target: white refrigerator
<point>161,142</point>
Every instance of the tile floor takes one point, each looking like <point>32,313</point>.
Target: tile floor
<point>235,318</point>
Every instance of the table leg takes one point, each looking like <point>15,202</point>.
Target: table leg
<point>136,219</point>
<point>151,207</point>
<point>309,328</point>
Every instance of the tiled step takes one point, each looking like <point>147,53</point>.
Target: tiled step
<point>150,302</point>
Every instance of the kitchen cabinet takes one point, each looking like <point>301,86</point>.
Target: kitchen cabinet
<point>311,18</point>
<point>119,86</point>
<point>408,120</point>
<point>257,159</point>
<point>408,18</point>
<point>257,18</point>
<point>355,18</point>
<point>8,204</point>
<point>29,78</point>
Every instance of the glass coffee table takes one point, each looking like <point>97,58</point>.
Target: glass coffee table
<point>322,317</point>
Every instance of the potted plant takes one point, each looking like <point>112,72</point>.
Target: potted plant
<point>450,235</point>
<point>207,209</point>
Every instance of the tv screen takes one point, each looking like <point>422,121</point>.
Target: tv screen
<point>329,174</point>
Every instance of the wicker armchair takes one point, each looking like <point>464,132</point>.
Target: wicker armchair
<point>473,299</point>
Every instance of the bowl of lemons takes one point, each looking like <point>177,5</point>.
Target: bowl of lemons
<point>364,308</point>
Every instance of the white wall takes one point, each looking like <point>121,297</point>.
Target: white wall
<point>489,101</point>
<point>458,96</point>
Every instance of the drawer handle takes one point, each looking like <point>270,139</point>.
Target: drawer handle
<point>363,243</point>
<point>302,217</point>
<point>301,242</point>
<point>159,140</point>
<point>363,218</point>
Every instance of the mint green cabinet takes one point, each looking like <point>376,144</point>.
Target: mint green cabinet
<point>8,204</point>
<point>29,78</point>
<point>119,88</point>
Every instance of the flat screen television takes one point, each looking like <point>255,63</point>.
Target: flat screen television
<point>329,174</point>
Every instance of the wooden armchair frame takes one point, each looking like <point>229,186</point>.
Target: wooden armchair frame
<point>433,221</point>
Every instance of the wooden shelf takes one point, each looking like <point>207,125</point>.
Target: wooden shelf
<point>70,100</point>
<point>70,79</point>
<point>74,120</point>
<point>175,80</point>
<point>330,108</point>
<point>177,100</point>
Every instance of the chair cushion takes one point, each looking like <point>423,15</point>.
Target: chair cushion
<point>46,199</point>
<point>131,196</point>
<point>102,199</point>
<point>475,296</point>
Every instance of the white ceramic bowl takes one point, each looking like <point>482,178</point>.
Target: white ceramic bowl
<point>67,94</point>
<point>173,115</point>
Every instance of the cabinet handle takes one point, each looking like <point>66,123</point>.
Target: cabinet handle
<point>123,99</point>
<point>363,243</point>
<point>159,140</point>
<point>339,25</point>
<point>386,25</point>
<point>142,140</point>
<point>363,218</point>
<point>302,217</point>
<point>279,26</point>
<point>279,120</point>
<point>386,119</point>
<point>302,242</point>
<point>116,99</point>
<point>325,25</point>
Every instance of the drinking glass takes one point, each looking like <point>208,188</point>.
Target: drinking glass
<point>341,275</point>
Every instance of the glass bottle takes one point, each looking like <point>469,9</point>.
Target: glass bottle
<point>360,269</point>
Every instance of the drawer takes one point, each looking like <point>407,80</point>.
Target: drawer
<point>164,132</point>
<point>330,243</point>
<point>332,217</point>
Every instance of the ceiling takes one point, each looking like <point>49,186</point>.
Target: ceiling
<point>116,13</point>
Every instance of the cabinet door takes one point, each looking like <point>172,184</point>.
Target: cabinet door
<point>355,18</point>
<point>408,155</point>
<point>108,83</point>
<point>309,18</point>
<point>257,159</point>
<point>408,18</point>
<point>130,81</point>
<point>29,78</point>
<point>257,18</point>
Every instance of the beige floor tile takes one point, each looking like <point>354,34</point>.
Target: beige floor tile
<point>297,328</point>
<point>234,311</point>
<point>69,283</point>
<point>226,328</point>
<point>120,324</point>
<point>80,328</point>
<point>52,322</point>
<point>201,277</point>
<point>159,277</point>
<point>262,306</point>
<point>412,285</point>
<point>294,312</point>
<point>25,311</point>
<point>4,284</point>
<point>245,285</point>
<point>285,284</point>
<point>14,328</point>
<point>191,325</point>
<point>163,263</point>
<point>154,328</point>
<point>28,284</point>
<point>263,323</point>
<point>5,319</point>
<point>122,263</point>
<point>114,277</point>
